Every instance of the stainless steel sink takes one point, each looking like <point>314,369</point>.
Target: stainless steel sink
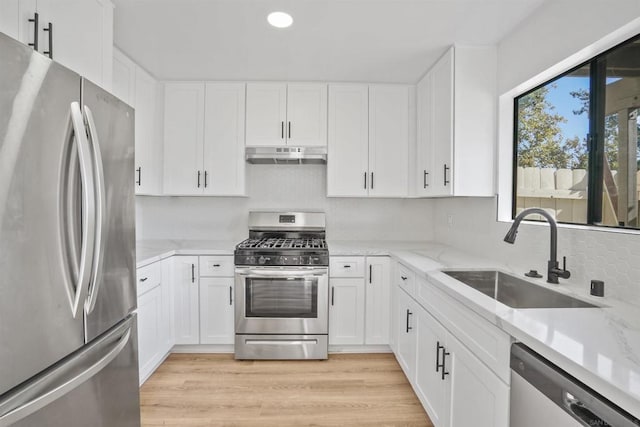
<point>513,291</point>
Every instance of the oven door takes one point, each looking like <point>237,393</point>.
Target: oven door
<point>282,300</point>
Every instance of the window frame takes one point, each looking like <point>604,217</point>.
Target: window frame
<point>595,138</point>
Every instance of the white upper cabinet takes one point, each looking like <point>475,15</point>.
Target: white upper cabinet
<point>266,113</point>
<point>183,138</point>
<point>348,142</point>
<point>307,115</point>
<point>223,161</point>
<point>76,33</point>
<point>148,143</point>
<point>368,153</point>
<point>204,139</point>
<point>124,77</point>
<point>456,124</point>
<point>281,114</point>
<point>17,20</point>
<point>388,140</point>
<point>143,92</point>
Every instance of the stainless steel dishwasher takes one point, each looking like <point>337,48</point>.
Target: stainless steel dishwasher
<point>544,395</point>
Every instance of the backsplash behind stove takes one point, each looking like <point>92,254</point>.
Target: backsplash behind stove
<point>296,187</point>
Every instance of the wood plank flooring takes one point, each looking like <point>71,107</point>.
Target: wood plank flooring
<point>216,390</point>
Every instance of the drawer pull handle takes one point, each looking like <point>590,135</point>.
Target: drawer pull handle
<point>346,266</point>
<point>144,279</point>
<point>216,265</point>
<point>403,277</point>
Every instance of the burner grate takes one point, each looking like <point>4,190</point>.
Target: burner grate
<point>283,243</point>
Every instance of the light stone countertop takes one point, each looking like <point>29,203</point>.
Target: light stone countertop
<point>599,346</point>
<point>150,251</point>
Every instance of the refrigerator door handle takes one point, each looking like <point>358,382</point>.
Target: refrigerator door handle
<point>101,213</point>
<point>78,292</point>
<point>52,385</point>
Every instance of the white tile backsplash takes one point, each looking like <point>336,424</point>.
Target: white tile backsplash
<point>295,187</point>
<point>591,254</point>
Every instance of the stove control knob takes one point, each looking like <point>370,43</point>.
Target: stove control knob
<point>281,260</point>
<point>261,260</point>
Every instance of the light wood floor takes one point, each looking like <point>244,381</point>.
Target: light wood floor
<point>216,390</point>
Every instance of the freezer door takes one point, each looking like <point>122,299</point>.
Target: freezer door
<point>41,236</point>
<point>97,386</point>
<point>112,293</point>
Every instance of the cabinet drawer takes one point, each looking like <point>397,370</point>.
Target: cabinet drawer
<point>148,277</point>
<point>346,266</point>
<point>406,279</point>
<point>218,266</point>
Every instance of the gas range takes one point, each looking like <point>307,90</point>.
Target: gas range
<point>282,287</point>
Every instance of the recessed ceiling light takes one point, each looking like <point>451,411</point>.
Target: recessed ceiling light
<point>280,19</point>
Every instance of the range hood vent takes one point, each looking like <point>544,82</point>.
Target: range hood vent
<point>286,155</point>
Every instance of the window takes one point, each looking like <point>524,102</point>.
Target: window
<point>577,142</point>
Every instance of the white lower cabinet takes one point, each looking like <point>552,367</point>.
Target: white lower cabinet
<point>456,388</point>
<point>477,397</point>
<point>429,383</point>
<point>155,331</point>
<point>377,305</point>
<point>406,334</point>
<point>186,299</point>
<point>149,331</point>
<point>346,311</point>
<point>216,310</point>
<point>359,300</point>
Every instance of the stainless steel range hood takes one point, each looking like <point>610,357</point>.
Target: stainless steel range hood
<point>286,155</point>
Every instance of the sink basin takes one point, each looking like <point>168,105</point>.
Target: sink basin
<point>513,291</point>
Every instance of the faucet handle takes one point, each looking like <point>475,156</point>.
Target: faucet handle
<point>565,274</point>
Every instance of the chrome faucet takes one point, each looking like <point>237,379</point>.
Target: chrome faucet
<point>553,270</point>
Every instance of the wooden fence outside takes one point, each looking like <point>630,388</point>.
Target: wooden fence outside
<point>562,192</point>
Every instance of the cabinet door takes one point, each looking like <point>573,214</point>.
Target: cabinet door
<point>406,334</point>
<point>424,153</point>
<point>185,300</point>
<point>431,389</point>
<point>471,381</point>
<point>307,114</point>
<point>14,19</point>
<point>216,311</point>
<point>266,114</point>
<point>124,78</point>
<point>183,138</point>
<point>346,311</point>
<point>348,146</point>
<point>388,140</point>
<point>442,126</point>
<point>167,326</point>
<point>377,284</point>
<point>82,32</point>
<point>224,139</point>
<point>147,163</point>
<point>149,331</point>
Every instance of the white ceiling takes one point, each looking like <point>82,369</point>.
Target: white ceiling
<point>330,40</point>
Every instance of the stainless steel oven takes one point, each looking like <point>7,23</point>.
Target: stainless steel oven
<point>281,313</point>
<point>282,288</point>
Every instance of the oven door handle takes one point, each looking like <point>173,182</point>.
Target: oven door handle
<point>282,273</point>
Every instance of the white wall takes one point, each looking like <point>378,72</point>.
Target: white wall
<point>603,255</point>
<point>292,187</point>
<point>556,31</point>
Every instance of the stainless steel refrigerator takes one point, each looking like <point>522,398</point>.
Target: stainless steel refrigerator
<point>68,344</point>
